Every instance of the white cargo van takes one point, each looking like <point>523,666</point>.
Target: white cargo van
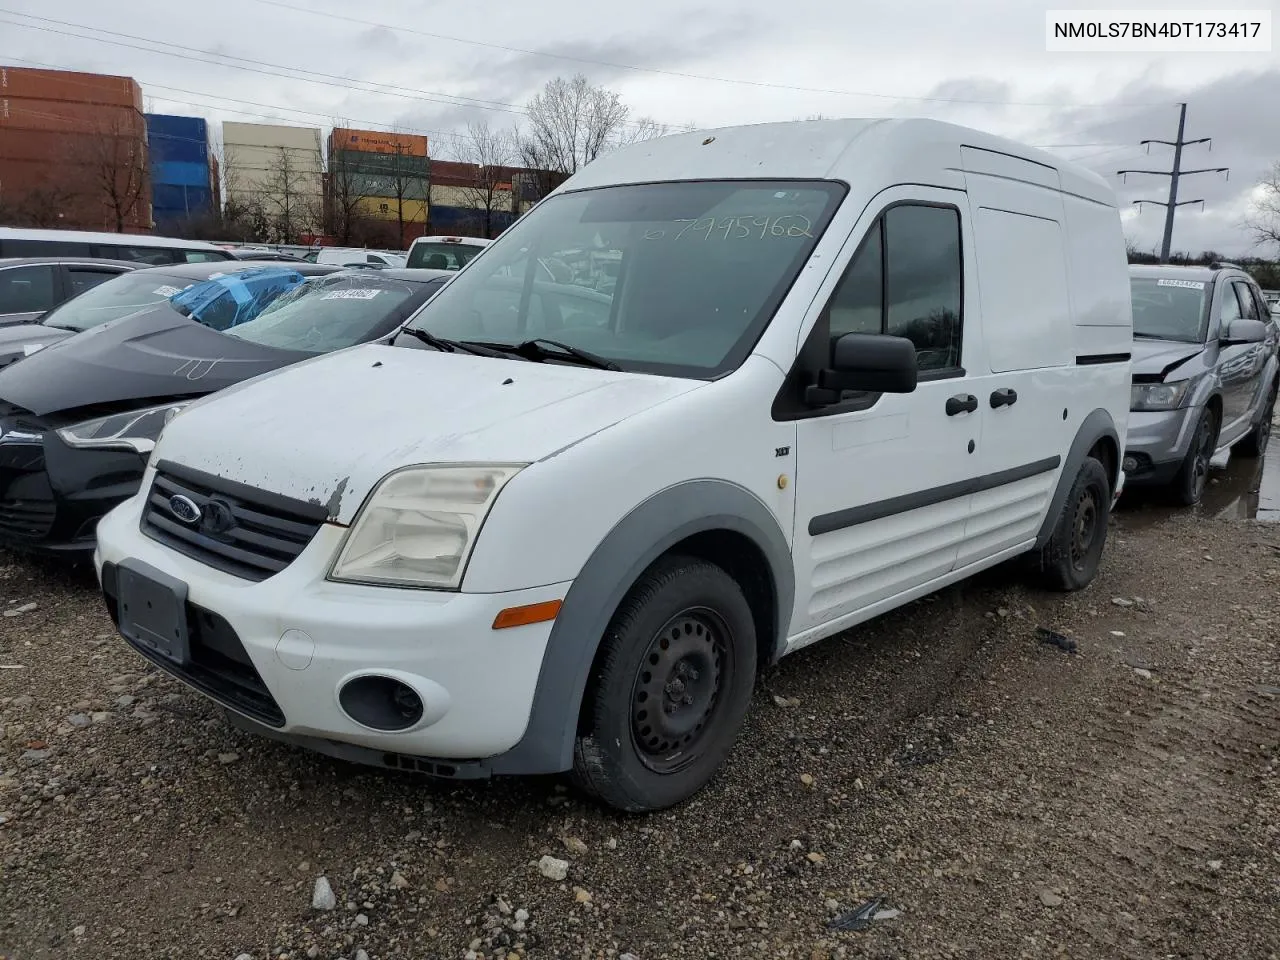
<point>545,528</point>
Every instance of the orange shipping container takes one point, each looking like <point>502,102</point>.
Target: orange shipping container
<point>63,117</point>
<point>68,85</point>
<point>376,141</point>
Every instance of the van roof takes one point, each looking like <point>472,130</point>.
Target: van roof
<point>84,236</point>
<point>896,151</point>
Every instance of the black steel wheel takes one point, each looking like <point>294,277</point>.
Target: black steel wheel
<point>677,687</point>
<point>669,689</point>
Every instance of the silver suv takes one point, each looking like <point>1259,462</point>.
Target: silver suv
<point>1205,359</point>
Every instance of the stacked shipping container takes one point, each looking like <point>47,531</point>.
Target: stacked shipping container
<point>73,151</point>
<point>386,176</point>
<point>182,175</point>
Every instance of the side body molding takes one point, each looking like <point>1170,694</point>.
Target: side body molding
<point>1095,427</point>
<point>648,531</point>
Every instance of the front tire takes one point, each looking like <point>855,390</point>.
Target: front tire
<point>1070,559</point>
<point>670,688</point>
<point>1193,476</point>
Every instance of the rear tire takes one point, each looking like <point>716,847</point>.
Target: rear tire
<point>1193,476</point>
<point>1070,559</point>
<point>670,688</point>
<point>1255,442</point>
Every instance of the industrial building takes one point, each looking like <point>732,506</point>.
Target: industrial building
<point>73,151</point>
<point>274,174</point>
<point>184,185</point>
<point>380,177</point>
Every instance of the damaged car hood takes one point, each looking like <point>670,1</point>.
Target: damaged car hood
<point>328,429</point>
<point>155,355</point>
<point>1158,357</point>
<point>23,339</point>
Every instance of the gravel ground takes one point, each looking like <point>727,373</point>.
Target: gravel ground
<point>1005,797</point>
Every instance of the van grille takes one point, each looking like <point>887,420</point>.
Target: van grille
<point>241,530</point>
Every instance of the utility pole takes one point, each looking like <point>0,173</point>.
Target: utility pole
<point>1173,203</point>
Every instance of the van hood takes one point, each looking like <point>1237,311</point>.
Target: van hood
<point>23,339</point>
<point>153,355</point>
<point>1157,357</point>
<point>328,429</point>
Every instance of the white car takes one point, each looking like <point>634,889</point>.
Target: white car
<point>543,528</point>
<point>358,256</point>
<point>444,253</point>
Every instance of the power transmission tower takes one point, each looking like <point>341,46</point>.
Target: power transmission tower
<point>1173,203</point>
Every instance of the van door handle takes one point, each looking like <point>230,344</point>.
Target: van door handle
<point>1005,397</point>
<point>964,403</point>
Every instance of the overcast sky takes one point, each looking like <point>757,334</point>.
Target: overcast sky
<point>432,67</point>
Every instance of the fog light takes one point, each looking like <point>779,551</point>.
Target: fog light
<point>1130,464</point>
<point>381,703</point>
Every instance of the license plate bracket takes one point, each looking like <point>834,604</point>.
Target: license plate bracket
<point>153,610</point>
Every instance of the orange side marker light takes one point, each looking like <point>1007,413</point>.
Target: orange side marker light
<point>530,613</point>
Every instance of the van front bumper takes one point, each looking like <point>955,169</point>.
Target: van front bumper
<point>277,652</point>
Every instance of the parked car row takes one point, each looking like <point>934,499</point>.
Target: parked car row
<point>102,372</point>
<point>552,506</point>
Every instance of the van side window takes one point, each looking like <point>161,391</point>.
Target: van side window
<point>858,303</point>
<point>922,281</point>
<point>905,281</point>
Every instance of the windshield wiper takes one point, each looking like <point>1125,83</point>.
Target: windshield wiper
<point>535,350</point>
<point>448,346</point>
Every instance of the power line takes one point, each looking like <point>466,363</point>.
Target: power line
<point>1173,202</point>
<point>657,70</point>
<point>184,52</point>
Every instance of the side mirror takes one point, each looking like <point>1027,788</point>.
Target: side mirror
<point>872,363</point>
<point>1242,330</point>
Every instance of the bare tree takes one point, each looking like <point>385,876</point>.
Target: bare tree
<point>1263,220</point>
<point>572,122</point>
<point>40,207</point>
<point>116,172</point>
<point>407,178</point>
<point>286,195</point>
<point>348,191</point>
<point>488,154</point>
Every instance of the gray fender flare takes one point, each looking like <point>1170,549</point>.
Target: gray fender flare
<point>1095,427</point>
<point>638,539</point>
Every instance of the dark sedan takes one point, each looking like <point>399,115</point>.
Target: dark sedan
<point>121,294</point>
<point>32,286</point>
<point>78,419</point>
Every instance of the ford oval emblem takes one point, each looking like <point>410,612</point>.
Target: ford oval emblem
<point>184,508</point>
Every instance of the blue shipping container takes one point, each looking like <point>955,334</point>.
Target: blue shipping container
<point>177,139</point>
<point>444,218</point>
<point>180,174</point>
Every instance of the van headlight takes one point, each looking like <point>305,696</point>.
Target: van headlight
<point>136,430</point>
<point>418,526</point>
<point>1153,397</point>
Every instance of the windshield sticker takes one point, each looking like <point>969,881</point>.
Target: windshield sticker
<point>1188,284</point>
<point>351,294</point>
<point>166,291</point>
<point>29,348</point>
<point>736,228</point>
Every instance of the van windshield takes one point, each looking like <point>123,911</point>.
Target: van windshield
<point>670,278</point>
<point>1165,309</point>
